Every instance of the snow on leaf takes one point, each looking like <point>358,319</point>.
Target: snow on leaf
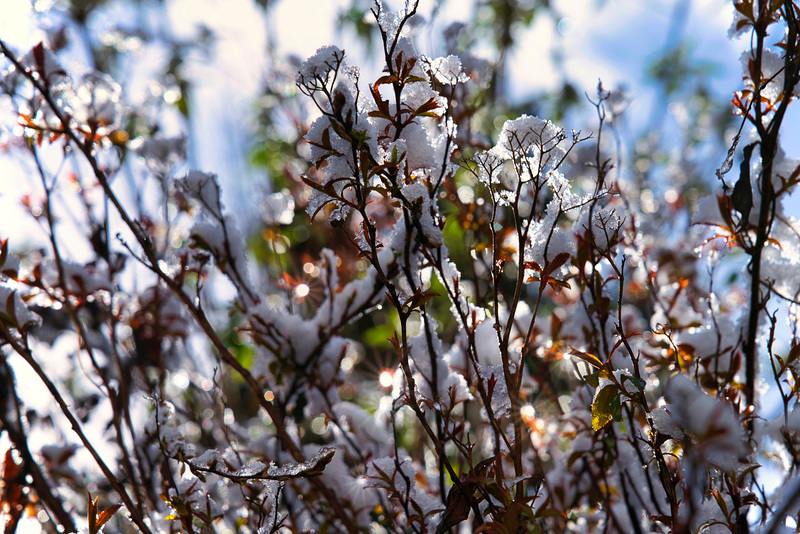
<point>417,194</point>
<point>12,309</point>
<point>272,495</point>
<point>495,383</point>
<point>772,71</point>
<point>211,459</point>
<point>663,422</point>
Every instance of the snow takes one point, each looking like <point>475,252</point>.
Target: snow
<point>606,223</point>
<point>487,344</point>
<point>708,212</point>
<point>772,68</point>
<point>79,279</point>
<point>420,152</point>
<point>501,401</point>
<point>692,414</point>
<point>417,194</point>
<point>162,154</point>
<point>739,26</point>
<point>447,70</point>
<point>310,467</point>
<point>387,467</point>
<point>250,470</point>
<point>211,459</point>
<point>10,301</point>
<point>203,187</point>
<point>530,136</point>
<point>325,60</point>
<point>362,423</point>
<point>712,342</point>
<point>333,160</point>
<point>209,236</point>
<point>214,462</point>
<point>450,277</point>
<point>451,383</point>
<point>490,163</point>
<point>663,422</point>
<point>223,239</point>
<point>52,71</point>
<point>711,422</point>
<point>272,490</point>
<point>93,97</point>
<point>384,473</point>
<point>779,263</point>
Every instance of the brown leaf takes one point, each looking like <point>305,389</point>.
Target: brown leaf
<point>456,510</point>
<point>591,359</point>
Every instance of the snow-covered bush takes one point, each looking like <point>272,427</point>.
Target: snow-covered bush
<point>497,335</point>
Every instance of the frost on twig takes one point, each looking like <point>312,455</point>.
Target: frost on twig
<point>212,462</point>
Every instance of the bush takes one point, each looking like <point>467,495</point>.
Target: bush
<point>505,335</point>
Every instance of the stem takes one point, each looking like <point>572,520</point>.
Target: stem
<point>26,354</point>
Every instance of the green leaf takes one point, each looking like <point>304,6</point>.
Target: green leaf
<point>721,503</point>
<point>10,314</point>
<point>551,512</point>
<point>616,408</point>
<point>593,379</point>
<point>794,353</point>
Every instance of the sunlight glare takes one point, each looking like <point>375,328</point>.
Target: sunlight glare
<point>386,378</point>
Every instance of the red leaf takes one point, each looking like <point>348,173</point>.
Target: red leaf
<point>107,514</point>
<point>38,58</point>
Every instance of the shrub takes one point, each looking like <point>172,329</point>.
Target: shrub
<point>557,358</point>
